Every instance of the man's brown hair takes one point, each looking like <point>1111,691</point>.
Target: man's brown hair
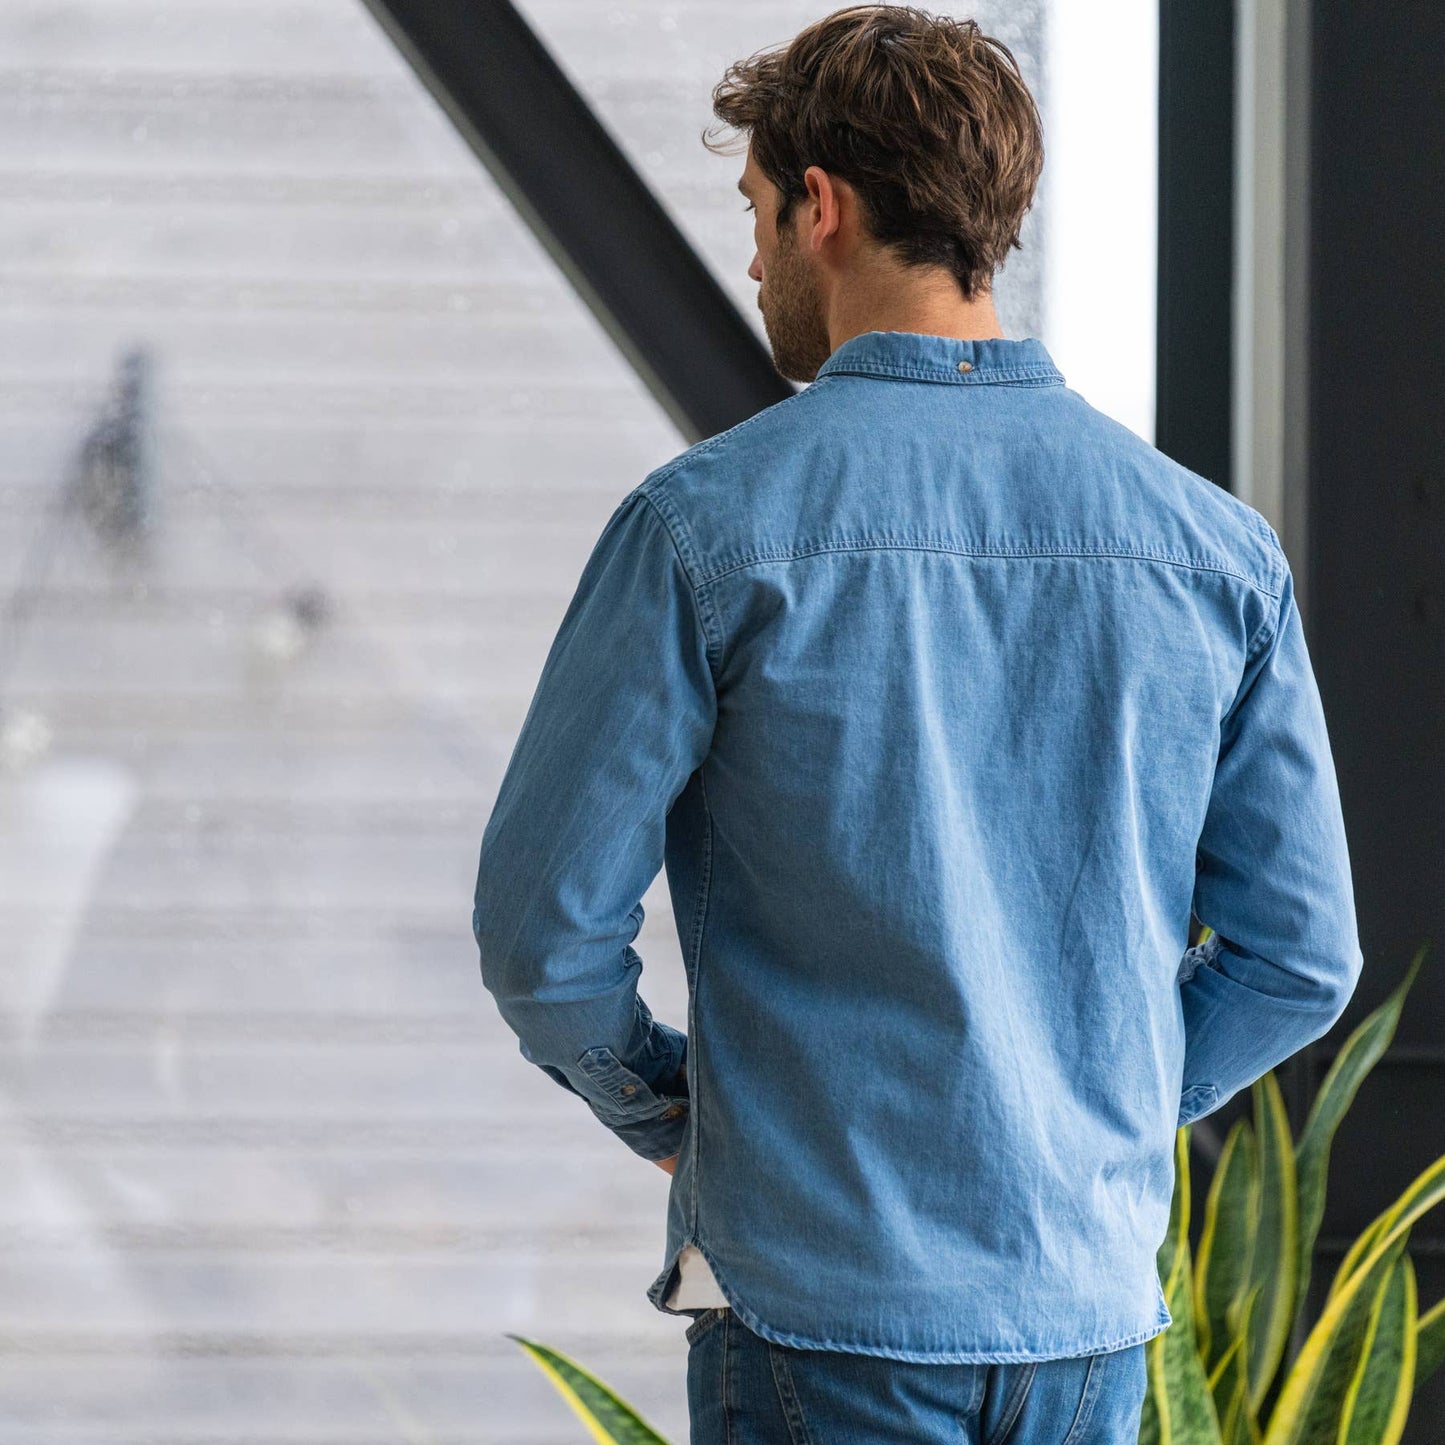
<point>927,118</point>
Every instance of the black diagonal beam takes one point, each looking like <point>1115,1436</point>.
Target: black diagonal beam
<point>577,191</point>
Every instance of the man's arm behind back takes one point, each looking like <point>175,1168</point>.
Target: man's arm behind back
<point>1273,879</point>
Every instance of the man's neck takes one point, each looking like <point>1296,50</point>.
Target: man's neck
<point>929,314</point>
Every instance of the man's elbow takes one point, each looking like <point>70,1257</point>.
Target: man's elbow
<point>514,972</point>
<point>1335,986</point>
<point>500,919</point>
<point>502,974</point>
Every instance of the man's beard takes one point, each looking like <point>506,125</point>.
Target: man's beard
<point>792,314</point>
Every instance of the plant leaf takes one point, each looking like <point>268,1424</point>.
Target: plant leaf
<point>1379,1396</point>
<point>1368,1238</point>
<point>1178,1408</point>
<point>609,1418</point>
<point>1229,1379</point>
<point>1226,1243</point>
<point>1423,1185</point>
<point>1359,1054</point>
<point>1314,1389</point>
<point>1325,1371</point>
<point>1430,1343</point>
<point>1272,1262</point>
<point>1238,1426</point>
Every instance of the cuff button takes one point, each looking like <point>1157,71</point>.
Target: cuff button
<point>673,1112</point>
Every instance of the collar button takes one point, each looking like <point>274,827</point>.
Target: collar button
<point>965,366</point>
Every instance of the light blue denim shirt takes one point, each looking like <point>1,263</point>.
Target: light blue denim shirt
<point>943,698</point>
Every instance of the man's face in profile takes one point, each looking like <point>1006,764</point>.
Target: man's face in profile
<point>788,291</point>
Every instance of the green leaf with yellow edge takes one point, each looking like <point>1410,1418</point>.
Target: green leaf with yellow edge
<point>1424,1184</point>
<point>1358,1055</point>
<point>1226,1243</point>
<point>609,1418</point>
<point>1430,1343</point>
<point>1229,1379</point>
<point>1315,1413</point>
<point>1378,1399</point>
<point>1367,1239</point>
<point>1272,1262</point>
<point>1178,1408</point>
<point>1313,1393</point>
<point>1238,1425</point>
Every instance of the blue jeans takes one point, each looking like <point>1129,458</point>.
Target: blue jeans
<point>745,1390</point>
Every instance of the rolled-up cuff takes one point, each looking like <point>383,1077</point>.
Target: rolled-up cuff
<point>649,1119</point>
<point>659,1138</point>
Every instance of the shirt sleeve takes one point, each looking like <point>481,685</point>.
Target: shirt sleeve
<point>622,716</point>
<point>1272,879</point>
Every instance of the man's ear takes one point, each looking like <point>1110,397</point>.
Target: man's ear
<point>825,197</point>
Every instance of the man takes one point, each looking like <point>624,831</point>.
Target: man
<point>948,703</point>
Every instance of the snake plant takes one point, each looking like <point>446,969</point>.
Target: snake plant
<point>608,1417</point>
<point>1237,1302</point>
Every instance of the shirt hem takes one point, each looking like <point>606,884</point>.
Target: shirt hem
<point>662,1286</point>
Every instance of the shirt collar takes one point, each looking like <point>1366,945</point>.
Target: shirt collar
<point>921,356</point>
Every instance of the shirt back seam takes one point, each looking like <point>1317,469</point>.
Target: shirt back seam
<point>859,545</point>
